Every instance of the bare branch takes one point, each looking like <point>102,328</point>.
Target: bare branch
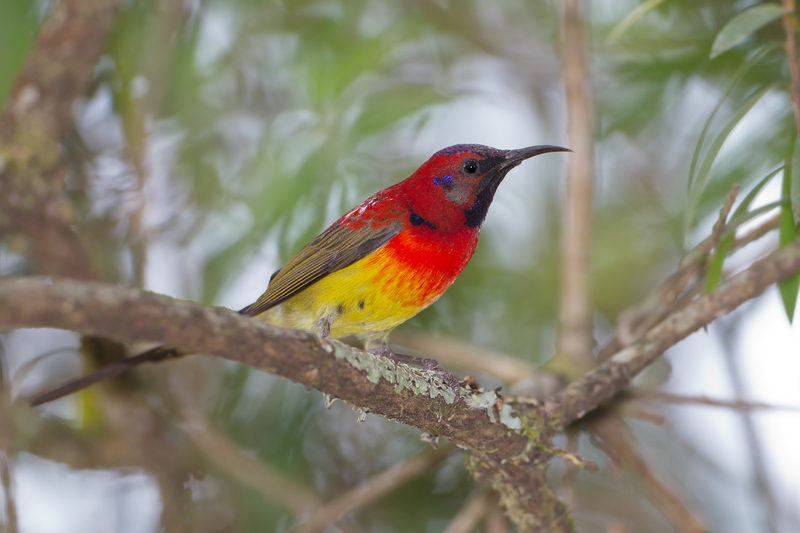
<point>251,472</point>
<point>635,323</point>
<point>513,462</point>
<point>6,450</point>
<point>575,323</point>
<point>726,333</point>
<point>455,354</point>
<point>586,393</point>
<point>505,459</point>
<point>615,435</point>
<point>567,488</point>
<point>496,522</point>
<point>34,121</point>
<point>373,489</point>
<point>757,232</point>
<point>680,399</point>
<point>470,516</point>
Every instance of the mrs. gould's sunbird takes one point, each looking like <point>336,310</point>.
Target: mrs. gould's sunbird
<point>383,262</point>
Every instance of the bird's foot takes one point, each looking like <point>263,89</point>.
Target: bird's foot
<point>428,364</point>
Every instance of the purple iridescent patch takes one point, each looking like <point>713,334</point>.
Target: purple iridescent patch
<point>443,180</point>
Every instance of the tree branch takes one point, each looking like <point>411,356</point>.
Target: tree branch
<point>575,322</point>
<point>6,448</point>
<point>618,444</point>
<point>373,489</point>
<point>505,459</point>
<point>513,462</point>
<point>586,393</point>
<point>251,472</point>
<point>33,218</point>
<point>680,399</point>
<point>469,517</point>
<point>453,353</point>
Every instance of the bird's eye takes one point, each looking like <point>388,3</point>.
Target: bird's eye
<point>470,166</point>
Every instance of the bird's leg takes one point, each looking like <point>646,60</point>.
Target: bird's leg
<point>431,365</point>
<point>323,325</point>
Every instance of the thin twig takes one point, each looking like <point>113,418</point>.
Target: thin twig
<point>726,335</point>
<point>455,354</point>
<point>612,376</point>
<point>567,488</point>
<point>373,489</point>
<point>662,302</point>
<point>757,232</point>
<point>575,323</point>
<point>615,435</point>
<point>469,517</point>
<point>634,324</point>
<point>631,410</point>
<point>496,521</point>
<point>270,483</point>
<point>6,448</point>
<point>680,399</point>
<point>712,241</point>
<point>166,19</point>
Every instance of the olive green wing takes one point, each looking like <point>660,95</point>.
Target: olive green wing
<point>336,248</point>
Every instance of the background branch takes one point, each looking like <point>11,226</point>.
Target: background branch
<point>373,489</point>
<point>680,399</point>
<point>608,379</point>
<point>470,516</point>
<point>504,459</point>
<point>34,219</point>
<point>575,322</point>
<point>256,474</point>
<point>408,396</point>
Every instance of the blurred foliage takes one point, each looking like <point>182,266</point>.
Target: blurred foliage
<point>222,135</point>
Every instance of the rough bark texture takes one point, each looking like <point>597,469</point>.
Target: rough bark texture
<point>508,459</point>
<point>510,450</point>
<point>614,375</point>
<point>34,219</point>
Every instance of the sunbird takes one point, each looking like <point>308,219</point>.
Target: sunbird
<point>383,262</point>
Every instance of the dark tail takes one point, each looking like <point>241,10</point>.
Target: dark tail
<point>159,353</point>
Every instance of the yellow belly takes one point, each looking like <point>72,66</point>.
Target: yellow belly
<point>370,297</point>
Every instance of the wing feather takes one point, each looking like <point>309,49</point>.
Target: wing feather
<point>336,248</point>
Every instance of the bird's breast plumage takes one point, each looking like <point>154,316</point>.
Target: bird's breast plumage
<point>386,288</point>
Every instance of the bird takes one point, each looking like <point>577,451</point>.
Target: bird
<point>380,264</point>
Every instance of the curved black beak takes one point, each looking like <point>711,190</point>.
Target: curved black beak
<point>515,157</point>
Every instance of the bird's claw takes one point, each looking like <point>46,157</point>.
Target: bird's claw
<point>432,365</point>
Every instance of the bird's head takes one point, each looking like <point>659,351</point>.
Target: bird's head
<point>457,184</point>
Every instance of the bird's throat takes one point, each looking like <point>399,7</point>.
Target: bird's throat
<point>476,213</point>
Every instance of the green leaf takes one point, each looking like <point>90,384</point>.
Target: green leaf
<point>739,217</point>
<point>740,73</point>
<point>795,186</point>
<point>748,200</point>
<point>742,219</point>
<point>699,184</point>
<point>744,24</point>
<point>787,234</point>
<point>17,33</point>
<point>714,270</point>
<point>630,19</point>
